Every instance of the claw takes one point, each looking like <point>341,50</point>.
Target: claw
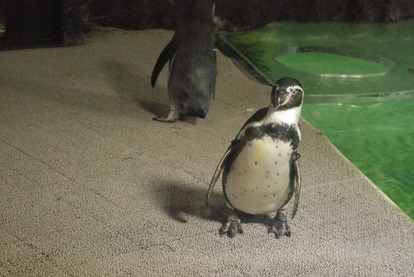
<point>280,226</point>
<point>171,118</point>
<point>164,119</point>
<point>232,226</point>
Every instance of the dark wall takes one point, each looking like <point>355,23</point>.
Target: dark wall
<point>22,25</point>
<point>37,22</point>
<point>42,22</point>
<point>2,11</point>
<point>246,14</point>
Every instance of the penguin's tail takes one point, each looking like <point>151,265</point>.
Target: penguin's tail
<point>199,112</point>
<point>198,108</point>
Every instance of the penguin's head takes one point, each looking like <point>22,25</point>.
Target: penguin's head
<point>287,93</point>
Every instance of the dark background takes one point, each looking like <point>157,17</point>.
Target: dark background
<point>40,22</point>
<point>246,14</point>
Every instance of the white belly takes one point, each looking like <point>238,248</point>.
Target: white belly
<point>258,181</point>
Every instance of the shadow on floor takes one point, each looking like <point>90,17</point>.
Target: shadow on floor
<point>179,200</point>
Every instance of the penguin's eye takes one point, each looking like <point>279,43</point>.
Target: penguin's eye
<point>296,91</point>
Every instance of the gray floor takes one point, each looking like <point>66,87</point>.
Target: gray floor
<point>91,186</point>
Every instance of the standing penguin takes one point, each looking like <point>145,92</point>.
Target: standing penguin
<point>261,167</point>
<point>192,79</point>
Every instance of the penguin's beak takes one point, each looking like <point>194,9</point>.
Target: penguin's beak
<point>280,97</point>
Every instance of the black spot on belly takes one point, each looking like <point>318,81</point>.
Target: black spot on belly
<point>255,163</point>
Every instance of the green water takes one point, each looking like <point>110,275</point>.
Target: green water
<point>369,118</point>
<point>379,140</point>
<point>393,42</point>
<point>325,63</point>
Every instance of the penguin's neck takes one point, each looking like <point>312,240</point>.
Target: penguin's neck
<point>289,117</point>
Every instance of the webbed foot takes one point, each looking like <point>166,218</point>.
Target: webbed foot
<point>279,225</point>
<point>171,118</point>
<point>164,119</point>
<point>232,226</point>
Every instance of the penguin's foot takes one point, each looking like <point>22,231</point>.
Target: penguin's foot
<point>279,225</point>
<point>164,119</point>
<point>232,226</point>
<point>171,118</point>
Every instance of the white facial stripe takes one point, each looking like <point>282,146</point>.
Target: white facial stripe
<point>293,88</point>
<point>290,90</point>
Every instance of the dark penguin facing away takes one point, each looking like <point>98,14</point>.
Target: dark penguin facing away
<point>261,166</point>
<point>192,79</point>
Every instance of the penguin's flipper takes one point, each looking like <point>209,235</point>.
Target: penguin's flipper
<point>297,183</point>
<point>166,55</point>
<point>218,171</point>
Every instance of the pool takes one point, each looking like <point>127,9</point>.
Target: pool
<point>359,83</point>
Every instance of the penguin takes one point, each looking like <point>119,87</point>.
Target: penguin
<point>261,166</point>
<point>192,79</point>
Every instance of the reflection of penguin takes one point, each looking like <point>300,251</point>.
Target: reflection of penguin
<point>261,167</point>
<point>192,78</point>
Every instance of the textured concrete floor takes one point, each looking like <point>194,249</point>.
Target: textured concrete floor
<point>91,186</point>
